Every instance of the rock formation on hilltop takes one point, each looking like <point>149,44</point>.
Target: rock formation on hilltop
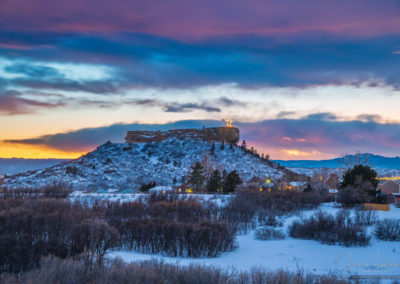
<point>212,134</point>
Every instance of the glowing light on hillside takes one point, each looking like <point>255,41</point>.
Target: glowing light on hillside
<point>388,178</point>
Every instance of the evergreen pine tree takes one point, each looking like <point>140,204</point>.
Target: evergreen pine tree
<point>212,151</point>
<point>196,177</point>
<point>231,181</point>
<point>215,181</point>
<point>223,145</point>
<point>244,145</point>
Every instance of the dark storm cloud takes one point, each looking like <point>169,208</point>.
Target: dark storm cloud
<point>63,84</point>
<point>198,19</point>
<point>250,61</point>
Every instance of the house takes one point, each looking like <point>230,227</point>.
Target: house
<point>161,189</point>
<point>392,189</point>
<point>332,194</point>
<point>298,186</point>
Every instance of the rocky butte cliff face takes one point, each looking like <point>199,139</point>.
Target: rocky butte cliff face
<point>212,134</point>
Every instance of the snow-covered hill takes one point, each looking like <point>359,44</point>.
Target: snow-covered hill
<point>114,167</point>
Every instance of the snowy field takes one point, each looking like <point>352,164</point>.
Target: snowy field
<point>90,198</point>
<point>382,258</point>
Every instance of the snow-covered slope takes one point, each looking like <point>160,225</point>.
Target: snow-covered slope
<point>127,166</point>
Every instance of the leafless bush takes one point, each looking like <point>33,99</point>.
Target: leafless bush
<point>388,230</point>
<point>269,219</point>
<point>54,270</point>
<point>55,190</point>
<point>267,233</point>
<point>31,228</point>
<point>329,229</point>
<point>266,206</point>
<point>176,238</point>
<point>365,217</point>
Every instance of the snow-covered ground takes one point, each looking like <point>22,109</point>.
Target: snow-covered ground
<point>90,198</point>
<point>379,257</point>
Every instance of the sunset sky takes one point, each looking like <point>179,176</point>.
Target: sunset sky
<point>301,79</point>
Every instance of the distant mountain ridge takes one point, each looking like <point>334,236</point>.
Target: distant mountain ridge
<point>375,161</point>
<point>13,166</point>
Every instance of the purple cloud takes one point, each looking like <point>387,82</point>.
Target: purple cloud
<point>306,135</point>
<point>12,104</point>
<point>199,19</point>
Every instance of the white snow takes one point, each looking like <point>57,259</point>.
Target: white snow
<point>91,198</point>
<point>298,183</point>
<point>293,254</point>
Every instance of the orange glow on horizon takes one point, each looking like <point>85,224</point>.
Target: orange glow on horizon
<point>8,150</point>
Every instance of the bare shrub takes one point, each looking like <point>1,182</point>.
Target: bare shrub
<point>176,238</point>
<point>266,206</point>
<point>55,190</point>
<point>267,233</point>
<point>388,230</point>
<point>329,229</point>
<point>270,220</point>
<point>240,213</point>
<point>54,270</point>
<point>97,237</point>
<point>32,228</point>
<point>365,217</point>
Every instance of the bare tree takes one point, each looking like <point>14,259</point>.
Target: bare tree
<point>349,161</point>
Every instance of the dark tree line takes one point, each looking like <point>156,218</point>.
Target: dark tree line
<point>216,182</point>
<point>33,226</point>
